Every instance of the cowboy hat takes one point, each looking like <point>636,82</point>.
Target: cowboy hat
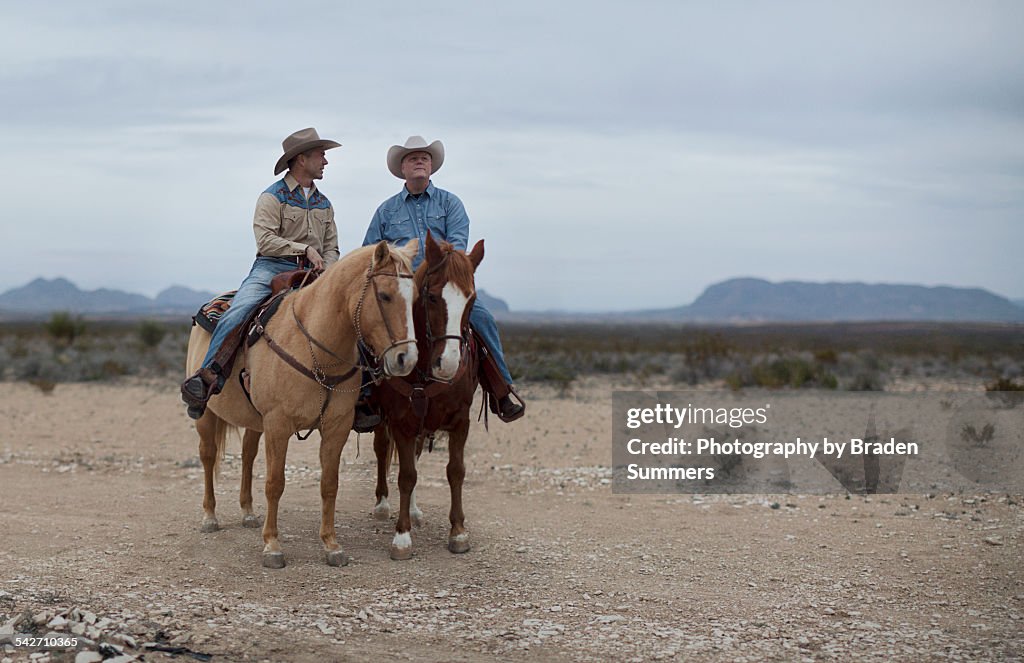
<point>415,144</point>
<point>301,141</point>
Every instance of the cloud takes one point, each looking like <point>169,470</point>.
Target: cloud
<point>618,158</point>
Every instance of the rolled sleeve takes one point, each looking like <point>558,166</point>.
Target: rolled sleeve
<point>266,226</point>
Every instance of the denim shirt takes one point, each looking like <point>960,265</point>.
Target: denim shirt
<point>402,217</point>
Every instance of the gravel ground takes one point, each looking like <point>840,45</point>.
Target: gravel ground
<point>100,498</point>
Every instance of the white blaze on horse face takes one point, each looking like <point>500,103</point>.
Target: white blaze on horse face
<point>405,291</point>
<point>456,302</point>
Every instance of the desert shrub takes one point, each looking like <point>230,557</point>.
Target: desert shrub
<point>556,369</point>
<point>44,385</point>
<point>826,356</point>
<point>151,333</point>
<point>63,327</point>
<point>866,380</point>
<point>794,372</point>
<point>1004,384</point>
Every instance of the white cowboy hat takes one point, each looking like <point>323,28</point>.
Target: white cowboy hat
<point>299,142</point>
<point>415,144</point>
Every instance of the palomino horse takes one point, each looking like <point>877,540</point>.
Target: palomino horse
<point>366,297</point>
<point>436,396</point>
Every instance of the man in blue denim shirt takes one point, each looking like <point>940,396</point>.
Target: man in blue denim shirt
<point>420,207</point>
<point>294,227</point>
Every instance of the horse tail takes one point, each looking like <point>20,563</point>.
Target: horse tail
<point>220,436</point>
<point>392,453</point>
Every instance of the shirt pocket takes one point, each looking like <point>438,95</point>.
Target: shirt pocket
<point>293,223</point>
<point>398,227</point>
<point>437,224</point>
<point>321,222</point>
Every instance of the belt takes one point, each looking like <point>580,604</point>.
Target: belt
<point>298,260</point>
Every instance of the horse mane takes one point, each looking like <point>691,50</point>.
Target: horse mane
<point>457,269</point>
<point>403,255</point>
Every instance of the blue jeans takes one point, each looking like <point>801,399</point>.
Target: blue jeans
<point>254,289</point>
<point>484,324</point>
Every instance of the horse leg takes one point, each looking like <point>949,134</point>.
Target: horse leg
<point>276,453</point>
<point>415,515</point>
<point>401,545</point>
<point>250,447</point>
<point>381,447</point>
<point>332,442</point>
<point>207,426</point>
<point>458,538</point>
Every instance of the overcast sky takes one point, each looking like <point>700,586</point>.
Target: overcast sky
<point>612,155</point>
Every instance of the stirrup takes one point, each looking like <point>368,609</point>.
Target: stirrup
<point>365,419</point>
<point>212,385</point>
<point>508,418</point>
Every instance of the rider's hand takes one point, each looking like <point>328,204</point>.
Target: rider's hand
<point>313,256</point>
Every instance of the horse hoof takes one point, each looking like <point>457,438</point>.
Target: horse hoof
<point>251,520</point>
<point>209,525</point>
<point>273,560</point>
<point>382,512</point>
<point>337,558</point>
<point>399,554</point>
<point>458,544</point>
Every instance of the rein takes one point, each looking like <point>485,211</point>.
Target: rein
<point>431,339</point>
<point>329,383</point>
<point>370,360</point>
<point>426,385</point>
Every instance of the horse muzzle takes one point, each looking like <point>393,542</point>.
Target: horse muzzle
<point>401,358</point>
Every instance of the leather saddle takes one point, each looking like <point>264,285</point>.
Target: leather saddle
<point>210,313</point>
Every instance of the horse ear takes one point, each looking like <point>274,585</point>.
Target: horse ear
<point>433,251</point>
<point>381,252</point>
<point>476,256</point>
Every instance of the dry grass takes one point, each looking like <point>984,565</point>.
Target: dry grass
<point>862,356</point>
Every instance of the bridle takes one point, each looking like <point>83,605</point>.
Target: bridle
<point>373,362</point>
<point>463,339</point>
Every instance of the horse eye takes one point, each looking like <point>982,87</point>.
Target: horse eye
<point>384,297</point>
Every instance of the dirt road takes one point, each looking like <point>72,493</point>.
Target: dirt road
<point>100,494</point>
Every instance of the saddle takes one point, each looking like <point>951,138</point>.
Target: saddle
<point>209,315</point>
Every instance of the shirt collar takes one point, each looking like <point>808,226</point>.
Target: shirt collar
<point>429,191</point>
<point>291,183</point>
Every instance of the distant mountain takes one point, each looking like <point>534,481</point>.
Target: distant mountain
<point>493,304</point>
<point>180,297</point>
<point>748,299</point>
<point>1018,302</point>
<point>43,295</point>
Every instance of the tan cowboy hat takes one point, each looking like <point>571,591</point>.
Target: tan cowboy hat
<point>299,142</point>
<point>415,144</point>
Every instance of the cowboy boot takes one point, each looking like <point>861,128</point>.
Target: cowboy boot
<point>197,390</point>
<point>366,419</point>
<point>508,410</point>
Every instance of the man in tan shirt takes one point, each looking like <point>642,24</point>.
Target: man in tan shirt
<point>294,228</point>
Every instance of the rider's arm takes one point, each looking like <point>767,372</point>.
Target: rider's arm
<point>330,252</point>
<point>373,233</point>
<point>457,230</point>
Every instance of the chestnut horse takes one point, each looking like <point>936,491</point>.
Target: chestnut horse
<point>303,374</point>
<point>436,396</point>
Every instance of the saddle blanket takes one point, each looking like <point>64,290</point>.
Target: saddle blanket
<point>209,313</point>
